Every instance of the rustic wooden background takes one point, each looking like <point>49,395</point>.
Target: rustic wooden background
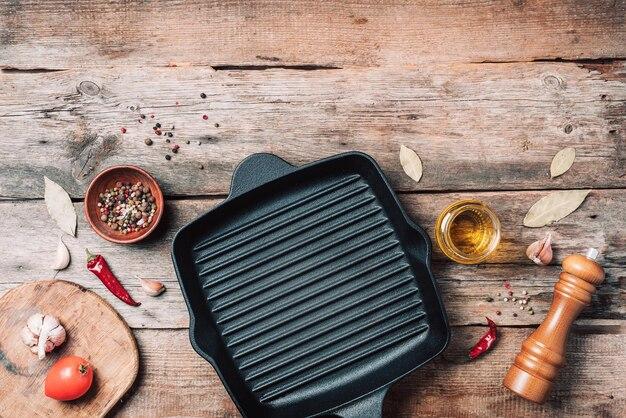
<point>485,91</point>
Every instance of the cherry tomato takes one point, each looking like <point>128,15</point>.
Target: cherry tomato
<point>68,379</point>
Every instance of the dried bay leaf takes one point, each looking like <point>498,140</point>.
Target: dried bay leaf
<point>60,207</point>
<point>411,163</point>
<point>562,161</point>
<point>556,205</point>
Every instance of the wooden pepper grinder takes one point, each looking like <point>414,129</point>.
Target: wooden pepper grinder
<point>542,355</point>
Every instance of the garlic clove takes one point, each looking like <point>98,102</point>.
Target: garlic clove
<point>57,335</point>
<point>151,287</point>
<point>62,257</point>
<point>28,337</point>
<point>34,323</point>
<point>540,252</point>
<point>49,323</point>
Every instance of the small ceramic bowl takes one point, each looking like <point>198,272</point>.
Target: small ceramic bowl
<point>106,180</point>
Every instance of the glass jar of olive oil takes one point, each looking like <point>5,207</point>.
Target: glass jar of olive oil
<point>467,231</point>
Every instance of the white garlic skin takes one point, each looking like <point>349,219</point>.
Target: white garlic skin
<point>151,287</point>
<point>42,334</point>
<point>540,252</point>
<point>48,347</point>
<point>62,257</point>
<point>57,336</point>
<point>34,323</point>
<point>28,337</point>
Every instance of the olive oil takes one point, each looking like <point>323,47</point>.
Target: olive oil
<point>467,231</point>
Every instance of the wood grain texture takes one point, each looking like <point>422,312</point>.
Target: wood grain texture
<point>94,331</point>
<point>59,34</point>
<point>174,380</point>
<point>475,126</point>
<point>310,79</point>
<point>465,288</point>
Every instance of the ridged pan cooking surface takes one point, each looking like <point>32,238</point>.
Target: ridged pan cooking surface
<point>308,288</point>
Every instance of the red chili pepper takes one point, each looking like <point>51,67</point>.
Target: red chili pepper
<point>98,266</point>
<point>485,342</point>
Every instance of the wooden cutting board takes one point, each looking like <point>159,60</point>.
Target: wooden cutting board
<point>95,331</point>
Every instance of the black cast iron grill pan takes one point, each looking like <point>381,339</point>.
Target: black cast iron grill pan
<point>309,289</point>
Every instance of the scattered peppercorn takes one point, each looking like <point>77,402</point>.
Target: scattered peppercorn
<point>510,293</point>
<point>514,315</point>
<point>217,125</point>
<point>151,116</point>
<point>202,95</point>
<point>170,134</point>
<point>148,141</point>
<point>123,130</point>
<point>158,132</point>
<point>489,299</point>
<point>199,143</point>
<point>158,125</point>
<point>142,116</point>
<point>201,166</point>
<point>167,140</point>
<point>168,157</point>
<point>205,117</point>
<point>187,142</point>
<point>175,148</point>
<point>498,313</point>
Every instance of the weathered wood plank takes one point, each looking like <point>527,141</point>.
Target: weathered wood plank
<point>480,127</point>
<point>174,380</point>
<point>596,223</point>
<point>29,241</point>
<point>465,293</point>
<point>58,34</point>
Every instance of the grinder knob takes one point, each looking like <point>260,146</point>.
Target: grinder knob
<point>542,355</point>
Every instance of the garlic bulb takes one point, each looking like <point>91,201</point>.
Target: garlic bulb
<point>62,258</point>
<point>540,252</point>
<point>151,287</point>
<point>42,334</point>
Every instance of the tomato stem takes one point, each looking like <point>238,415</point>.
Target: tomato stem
<point>82,369</point>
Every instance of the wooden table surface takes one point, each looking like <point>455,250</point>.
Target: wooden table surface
<point>485,91</point>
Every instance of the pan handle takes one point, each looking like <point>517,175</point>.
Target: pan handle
<point>370,405</point>
<point>258,169</point>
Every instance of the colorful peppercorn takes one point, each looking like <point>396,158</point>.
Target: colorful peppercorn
<point>127,207</point>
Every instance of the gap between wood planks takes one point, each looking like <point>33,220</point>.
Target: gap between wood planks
<point>398,192</point>
<point>325,67</point>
